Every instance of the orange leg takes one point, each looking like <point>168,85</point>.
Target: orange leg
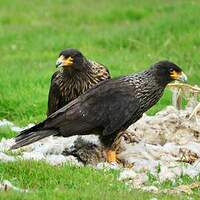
<point>111,155</point>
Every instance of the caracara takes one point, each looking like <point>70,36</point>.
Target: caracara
<point>107,108</point>
<point>76,75</point>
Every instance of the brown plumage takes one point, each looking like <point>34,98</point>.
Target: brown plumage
<point>76,75</point>
<point>107,108</point>
<point>87,152</point>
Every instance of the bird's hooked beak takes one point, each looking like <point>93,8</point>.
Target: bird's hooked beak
<point>179,76</point>
<point>63,62</point>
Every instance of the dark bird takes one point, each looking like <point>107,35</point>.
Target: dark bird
<point>107,108</point>
<point>76,75</point>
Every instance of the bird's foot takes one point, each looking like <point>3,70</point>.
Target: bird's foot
<point>111,156</point>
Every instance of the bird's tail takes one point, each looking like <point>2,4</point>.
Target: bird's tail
<point>31,135</point>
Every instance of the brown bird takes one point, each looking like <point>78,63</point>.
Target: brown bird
<point>76,75</point>
<point>107,108</point>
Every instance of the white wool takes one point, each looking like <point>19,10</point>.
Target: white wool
<point>56,145</point>
<point>5,144</point>
<point>196,165</point>
<point>5,158</point>
<point>139,180</point>
<point>91,138</point>
<point>166,174</point>
<point>127,174</point>
<point>190,171</point>
<point>150,189</point>
<point>107,166</point>
<point>7,185</point>
<point>5,122</point>
<point>60,159</point>
<point>32,156</point>
<point>143,165</point>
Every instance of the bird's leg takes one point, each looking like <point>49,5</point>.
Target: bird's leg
<point>111,155</point>
<point>109,149</point>
<point>123,135</point>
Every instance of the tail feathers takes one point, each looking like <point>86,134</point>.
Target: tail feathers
<point>32,129</point>
<point>28,138</point>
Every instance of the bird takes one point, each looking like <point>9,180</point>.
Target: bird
<point>76,75</point>
<point>107,108</point>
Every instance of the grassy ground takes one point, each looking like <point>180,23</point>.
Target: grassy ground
<point>68,182</point>
<point>125,35</point>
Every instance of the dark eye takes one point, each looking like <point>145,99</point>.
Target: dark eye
<point>171,69</point>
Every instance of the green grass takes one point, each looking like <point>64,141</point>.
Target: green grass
<point>127,36</point>
<point>69,182</point>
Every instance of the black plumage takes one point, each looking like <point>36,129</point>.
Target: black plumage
<point>107,108</point>
<point>76,75</point>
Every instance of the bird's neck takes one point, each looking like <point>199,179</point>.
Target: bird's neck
<point>151,91</point>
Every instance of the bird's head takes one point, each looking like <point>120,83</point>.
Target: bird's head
<point>70,58</point>
<point>167,72</point>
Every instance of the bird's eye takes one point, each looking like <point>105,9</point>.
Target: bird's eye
<point>171,69</point>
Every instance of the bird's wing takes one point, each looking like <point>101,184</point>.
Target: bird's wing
<point>54,95</point>
<point>108,107</point>
<point>101,71</point>
<point>105,109</point>
<point>115,106</point>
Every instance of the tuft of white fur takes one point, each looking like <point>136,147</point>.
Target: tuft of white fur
<point>7,185</point>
